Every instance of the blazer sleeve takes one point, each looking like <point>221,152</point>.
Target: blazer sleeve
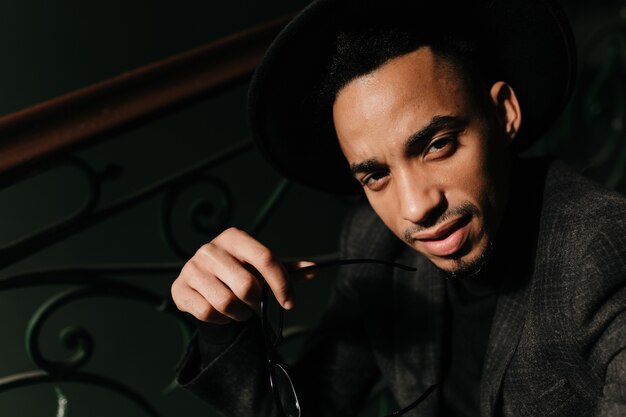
<point>333,376</point>
<point>227,368</point>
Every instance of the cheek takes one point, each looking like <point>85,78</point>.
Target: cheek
<point>470,178</point>
<point>486,182</point>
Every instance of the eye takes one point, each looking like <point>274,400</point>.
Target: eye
<point>374,180</point>
<point>441,146</point>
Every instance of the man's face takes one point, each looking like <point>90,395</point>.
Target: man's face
<point>434,163</point>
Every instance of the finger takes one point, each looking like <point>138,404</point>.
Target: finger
<point>190,301</point>
<point>242,282</point>
<point>301,270</point>
<point>219,296</point>
<point>245,248</point>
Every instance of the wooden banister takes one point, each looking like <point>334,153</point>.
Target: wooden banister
<point>105,108</point>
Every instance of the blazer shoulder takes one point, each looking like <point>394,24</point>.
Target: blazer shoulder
<point>578,214</point>
<point>571,197</point>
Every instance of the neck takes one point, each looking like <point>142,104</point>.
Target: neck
<point>515,243</point>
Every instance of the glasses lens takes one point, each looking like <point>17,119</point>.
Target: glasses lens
<point>286,392</point>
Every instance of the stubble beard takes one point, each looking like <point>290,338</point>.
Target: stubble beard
<point>463,268</point>
<point>470,269</point>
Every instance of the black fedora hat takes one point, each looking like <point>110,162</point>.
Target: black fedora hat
<point>528,43</point>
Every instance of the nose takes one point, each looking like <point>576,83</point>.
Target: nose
<point>420,200</point>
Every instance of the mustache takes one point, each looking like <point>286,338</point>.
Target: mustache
<point>464,209</point>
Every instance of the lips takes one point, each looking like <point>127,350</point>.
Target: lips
<point>447,239</point>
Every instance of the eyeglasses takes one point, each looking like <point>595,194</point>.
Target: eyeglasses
<point>285,395</point>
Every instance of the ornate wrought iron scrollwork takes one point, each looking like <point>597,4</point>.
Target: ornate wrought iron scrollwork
<point>77,339</point>
<point>40,377</point>
<point>26,245</point>
<point>208,214</point>
<point>92,212</point>
<point>270,205</point>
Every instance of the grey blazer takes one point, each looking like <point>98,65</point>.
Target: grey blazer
<point>558,337</point>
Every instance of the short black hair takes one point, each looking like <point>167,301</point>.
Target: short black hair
<point>364,47</point>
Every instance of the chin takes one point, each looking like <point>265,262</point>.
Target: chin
<point>466,265</point>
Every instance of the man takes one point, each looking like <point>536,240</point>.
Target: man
<point>517,307</point>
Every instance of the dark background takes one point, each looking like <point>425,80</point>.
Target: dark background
<point>51,48</point>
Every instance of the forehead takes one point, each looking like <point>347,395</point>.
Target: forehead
<point>399,98</point>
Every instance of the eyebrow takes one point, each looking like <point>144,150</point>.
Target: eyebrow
<point>364,166</point>
<point>435,125</point>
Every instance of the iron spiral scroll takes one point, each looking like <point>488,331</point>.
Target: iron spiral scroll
<point>206,215</point>
<point>84,283</point>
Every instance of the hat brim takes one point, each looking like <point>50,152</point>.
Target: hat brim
<point>530,42</point>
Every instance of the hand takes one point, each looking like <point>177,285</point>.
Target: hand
<point>222,282</point>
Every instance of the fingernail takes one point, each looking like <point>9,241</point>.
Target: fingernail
<point>288,305</point>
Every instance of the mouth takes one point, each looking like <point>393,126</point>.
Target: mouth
<point>447,239</point>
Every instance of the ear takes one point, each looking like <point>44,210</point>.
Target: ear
<point>507,108</point>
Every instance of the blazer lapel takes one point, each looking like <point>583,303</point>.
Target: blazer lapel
<point>506,330</point>
<point>517,256</point>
